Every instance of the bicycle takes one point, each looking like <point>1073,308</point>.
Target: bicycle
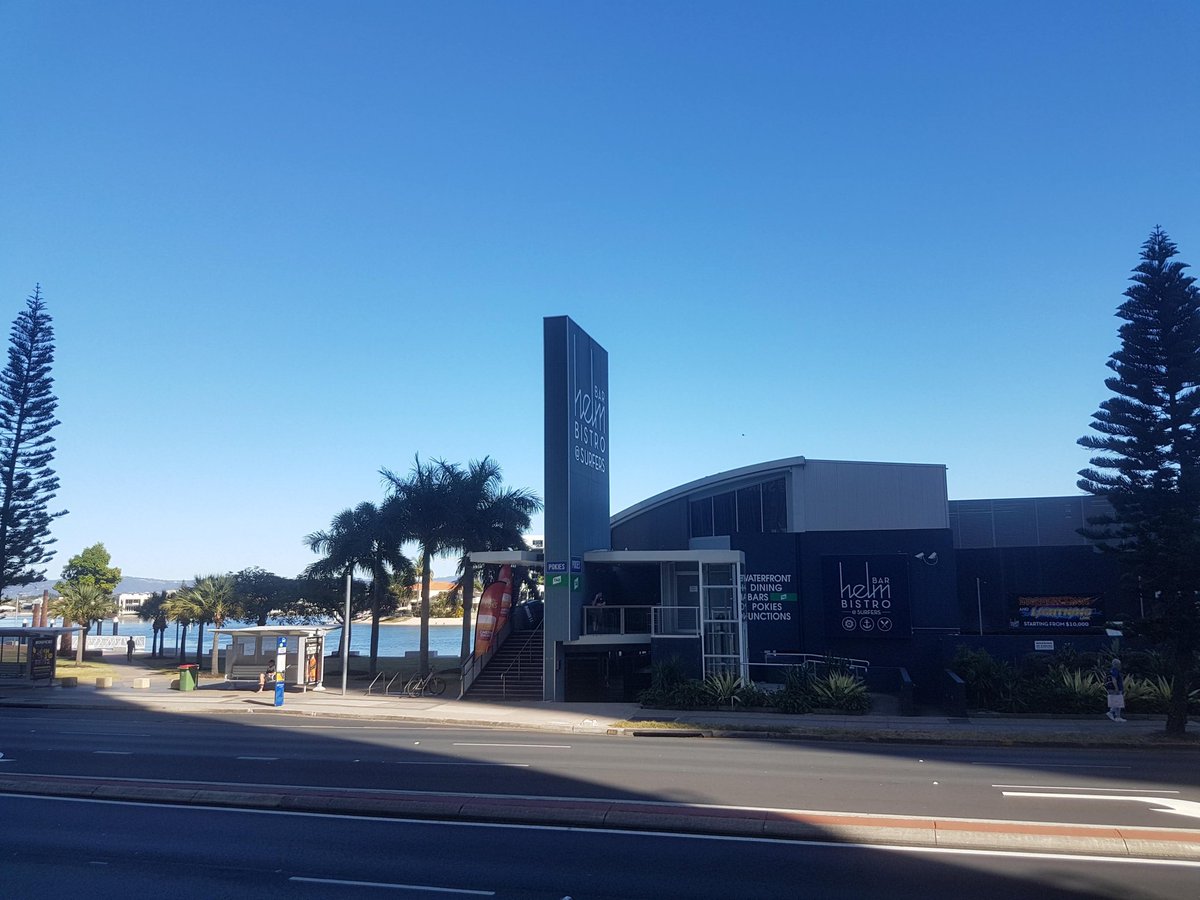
<point>419,685</point>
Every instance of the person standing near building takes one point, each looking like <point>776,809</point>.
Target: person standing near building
<point>1114,686</point>
<point>129,646</point>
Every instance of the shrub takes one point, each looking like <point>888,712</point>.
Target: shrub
<point>665,674</point>
<point>841,691</point>
<point>751,695</point>
<point>795,701</point>
<point>722,688</point>
<point>685,694</point>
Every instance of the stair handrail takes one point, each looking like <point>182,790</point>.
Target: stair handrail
<point>518,662</point>
<point>474,665</point>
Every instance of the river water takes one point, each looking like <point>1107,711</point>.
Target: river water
<point>394,640</point>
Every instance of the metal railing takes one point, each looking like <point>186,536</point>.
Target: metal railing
<point>474,665</point>
<point>675,621</point>
<point>616,619</point>
<point>814,663</point>
<point>519,663</point>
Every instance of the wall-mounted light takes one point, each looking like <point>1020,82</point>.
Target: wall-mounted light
<point>930,559</point>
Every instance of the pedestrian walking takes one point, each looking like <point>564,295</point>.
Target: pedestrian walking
<point>1114,686</point>
<point>129,645</point>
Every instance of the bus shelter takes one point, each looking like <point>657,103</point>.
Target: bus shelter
<point>28,654</point>
<point>250,650</point>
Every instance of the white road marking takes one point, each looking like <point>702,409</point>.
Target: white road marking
<point>828,845</point>
<point>2,759</point>
<point>532,746</point>
<point>261,758</point>
<point>113,752</point>
<point>107,733</point>
<point>394,887</point>
<point>1059,787</point>
<point>405,762</point>
<point>1172,805</point>
<point>1046,766</point>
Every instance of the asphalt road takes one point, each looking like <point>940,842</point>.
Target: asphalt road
<point>61,847</point>
<point>1025,784</point>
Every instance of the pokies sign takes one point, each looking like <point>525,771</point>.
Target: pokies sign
<point>866,596</point>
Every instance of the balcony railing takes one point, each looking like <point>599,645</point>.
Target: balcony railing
<point>616,619</point>
<point>659,621</point>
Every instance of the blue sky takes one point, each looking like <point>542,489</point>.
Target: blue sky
<point>286,244</point>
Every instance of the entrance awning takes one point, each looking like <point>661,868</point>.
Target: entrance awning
<point>529,559</point>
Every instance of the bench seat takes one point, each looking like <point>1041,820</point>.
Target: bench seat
<point>245,672</point>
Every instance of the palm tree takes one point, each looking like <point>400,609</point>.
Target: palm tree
<point>209,599</point>
<point>426,507</point>
<point>368,538</point>
<point>493,518</point>
<point>84,602</point>
<point>217,602</point>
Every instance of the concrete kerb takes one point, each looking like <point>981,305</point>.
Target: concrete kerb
<point>799,825</point>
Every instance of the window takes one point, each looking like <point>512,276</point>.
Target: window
<point>774,506</point>
<point>724,514</point>
<point>749,510</point>
<point>702,517</point>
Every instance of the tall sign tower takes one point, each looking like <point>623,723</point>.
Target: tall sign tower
<point>576,488</point>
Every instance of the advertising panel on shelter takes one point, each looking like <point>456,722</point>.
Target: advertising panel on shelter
<point>1057,613</point>
<point>41,658</point>
<point>866,596</point>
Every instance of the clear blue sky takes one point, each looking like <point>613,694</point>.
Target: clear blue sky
<point>285,244</point>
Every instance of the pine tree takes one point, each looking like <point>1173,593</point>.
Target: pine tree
<point>27,447</point>
<point>1149,463</point>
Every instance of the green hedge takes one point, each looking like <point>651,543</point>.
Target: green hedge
<point>802,693</point>
<point>1064,682</point>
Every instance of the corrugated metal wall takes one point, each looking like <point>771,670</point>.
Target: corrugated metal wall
<point>864,496</point>
<point>1023,522</point>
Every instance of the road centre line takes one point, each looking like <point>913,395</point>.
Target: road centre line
<point>1038,765</point>
<point>529,746</point>
<point>1071,787</point>
<point>396,887</point>
<point>113,752</point>
<point>107,733</point>
<point>494,765</point>
<point>261,758</point>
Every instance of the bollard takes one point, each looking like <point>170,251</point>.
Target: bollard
<point>103,681</point>
<point>69,681</point>
<point>141,683</point>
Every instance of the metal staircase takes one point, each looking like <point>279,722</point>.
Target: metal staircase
<point>514,672</point>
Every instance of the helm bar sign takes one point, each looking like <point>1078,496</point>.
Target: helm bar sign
<point>866,596</point>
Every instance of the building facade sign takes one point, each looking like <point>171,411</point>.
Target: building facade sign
<point>866,596</point>
<point>577,469</point>
<point>771,610</point>
<point>1057,613</point>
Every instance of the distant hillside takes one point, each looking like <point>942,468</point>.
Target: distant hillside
<point>129,585</point>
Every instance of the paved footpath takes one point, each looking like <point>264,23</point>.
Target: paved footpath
<point>620,719</point>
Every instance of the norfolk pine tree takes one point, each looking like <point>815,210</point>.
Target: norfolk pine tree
<point>27,483</point>
<point>1148,466</point>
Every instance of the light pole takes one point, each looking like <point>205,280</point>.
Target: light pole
<point>346,634</point>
